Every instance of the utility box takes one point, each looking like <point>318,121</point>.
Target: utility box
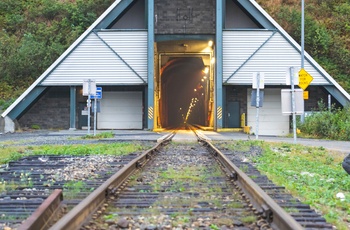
<point>286,99</point>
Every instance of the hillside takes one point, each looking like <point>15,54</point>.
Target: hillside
<point>327,31</point>
<point>34,33</point>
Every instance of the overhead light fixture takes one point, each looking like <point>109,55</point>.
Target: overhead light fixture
<point>210,43</point>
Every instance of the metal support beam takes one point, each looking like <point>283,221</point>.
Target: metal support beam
<point>338,95</point>
<point>73,96</point>
<point>172,37</point>
<point>150,65</point>
<point>218,64</point>
<point>108,20</point>
<point>224,107</point>
<point>256,14</point>
<point>26,102</point>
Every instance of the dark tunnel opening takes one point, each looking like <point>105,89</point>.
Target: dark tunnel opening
<point>184,92</point>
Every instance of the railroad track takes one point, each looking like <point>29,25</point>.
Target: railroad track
<point>161,190</point>
<point>226,200</point>
<point>28,182</point>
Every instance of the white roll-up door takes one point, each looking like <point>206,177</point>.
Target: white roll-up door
<point>120,110</point>
<point>271,120</point>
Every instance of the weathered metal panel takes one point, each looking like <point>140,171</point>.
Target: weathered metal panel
<point>271,120</point>
<point>246,52</point>
<point>109,57</point>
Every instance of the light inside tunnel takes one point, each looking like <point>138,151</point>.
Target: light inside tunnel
<point>184,94</point>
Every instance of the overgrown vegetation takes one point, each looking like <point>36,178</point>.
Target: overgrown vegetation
<point>16,152</point>
<point>324,123</point>
<point>33,34</point>
<point>327,31</point>
<point>314,175</point>
<point>109,134</point>
<point>72,189</point>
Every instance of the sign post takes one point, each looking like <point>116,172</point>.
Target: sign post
<point>95,106</point>
<point>98,95</point>
<point>257,106</point>
<point>293,103</point>
<point>304,81</point>
<point>258,83</point>
<point>89,89</point>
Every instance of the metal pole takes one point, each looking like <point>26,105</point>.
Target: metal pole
<point>329,102</point>
<point>89,104</point>
<point>95,111</point>
<point>302,33</point>
<point>257,106</point>
<point>293,104</point>
<point>302,45</point>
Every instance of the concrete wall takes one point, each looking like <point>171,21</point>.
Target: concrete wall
<point>2,123</point>
<point>185,16</point>
<point>50,111</point>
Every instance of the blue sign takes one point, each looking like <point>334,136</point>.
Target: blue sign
<point>98,93</point>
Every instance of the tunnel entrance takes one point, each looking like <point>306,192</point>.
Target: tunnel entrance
<point>185,90</point>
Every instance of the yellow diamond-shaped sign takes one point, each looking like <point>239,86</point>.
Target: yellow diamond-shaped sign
<point>304,79</point>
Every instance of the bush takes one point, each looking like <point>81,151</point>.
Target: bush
<point>331,124</point>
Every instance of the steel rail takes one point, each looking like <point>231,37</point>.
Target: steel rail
<point>42,217</point>
<point>83,211</point>
<point>276,216</point>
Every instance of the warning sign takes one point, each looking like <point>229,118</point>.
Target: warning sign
<point>304,79</point>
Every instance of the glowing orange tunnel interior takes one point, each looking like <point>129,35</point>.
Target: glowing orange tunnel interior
<point>184,92</point>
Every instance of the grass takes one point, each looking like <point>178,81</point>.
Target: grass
<point>73,188</point>
<point>249,219</point>
<point>312,174</point>
<point>109,134</point>
<point>12,153</point>
<point>6,186</point>
<point>186,174</point>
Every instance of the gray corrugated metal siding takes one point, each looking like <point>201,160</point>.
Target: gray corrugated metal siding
<point>274,58</point>
<point>93,59</point>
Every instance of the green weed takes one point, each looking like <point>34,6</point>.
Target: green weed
<point>73,188</point>
<point>13,153</point>
<point>248,219</point>
<point>102,135</point>
<point>314,175</point>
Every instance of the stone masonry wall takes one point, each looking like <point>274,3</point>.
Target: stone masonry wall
<point>51,111</point>
<point>185,16</point>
